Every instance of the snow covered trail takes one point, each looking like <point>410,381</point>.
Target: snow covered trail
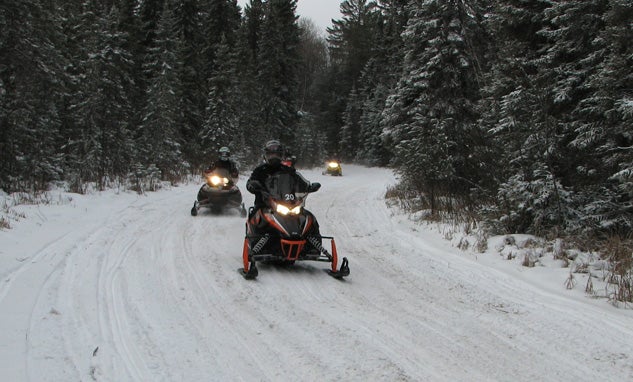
<point>133,288</point>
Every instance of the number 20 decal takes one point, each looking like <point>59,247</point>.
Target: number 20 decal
<point>289,197</point>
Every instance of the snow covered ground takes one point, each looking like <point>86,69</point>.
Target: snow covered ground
<point>124,287</point>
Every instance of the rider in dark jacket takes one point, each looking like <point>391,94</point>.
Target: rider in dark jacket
<point>256,184</point>
<point>224,161</point>
<point>273,155</point>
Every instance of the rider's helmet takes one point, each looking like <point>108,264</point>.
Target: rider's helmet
<point>273,152</point>
<point>224,153</point>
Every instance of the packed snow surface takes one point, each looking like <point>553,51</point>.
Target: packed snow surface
<point>125,287</point>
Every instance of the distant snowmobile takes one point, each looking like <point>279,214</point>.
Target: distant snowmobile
<point>219,193</point>
<point>333,168</point>
<point>286,235</point>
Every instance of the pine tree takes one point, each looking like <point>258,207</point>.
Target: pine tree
<point>433,113</point>
<point>277,73</point>
<point>352,37</point>
<point>106,142</point>
<point>516,110</point>
<point>373,149</point>
<point>131,35</point>
<point>149,14</point>
<point>313,63</point>
<point>350,131</point>
<point>603,125</point>
<point>573,28</point>
<point>220,22</point>
<point>512,86</point>
<point>187,29</point>
<point>309,142</point>
<point>161,140</point>
<point>353,40</point>
<point>222,122</point>
<point>249,48</point>
<point>31,84</point>
<point>73,52</point>
<point>379,76</point>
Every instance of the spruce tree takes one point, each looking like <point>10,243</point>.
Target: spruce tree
<point>187,29</point>
<point>603,125</point>
<point>161,141</point>
<point>516,111</point>
<point>221,126</point>
<point>277,73</point>
<point>249,48</point>
<point>353,40</point>
<point>379,76</point>
<point>106,140</point>
<point>31,85</point>
<point>433,113</point>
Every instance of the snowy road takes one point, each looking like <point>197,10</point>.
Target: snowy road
<point>129,288</point>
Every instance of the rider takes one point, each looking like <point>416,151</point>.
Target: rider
<point>273,155</point>
<point>224,161</point>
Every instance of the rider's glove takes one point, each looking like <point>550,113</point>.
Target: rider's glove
<point>254,186</point>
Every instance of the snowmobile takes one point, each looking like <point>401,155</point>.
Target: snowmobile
<point>282,233</point>
<point>333,168</point>
<point>219,193</point>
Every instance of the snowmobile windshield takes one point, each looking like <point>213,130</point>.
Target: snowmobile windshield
<point>286,187</point>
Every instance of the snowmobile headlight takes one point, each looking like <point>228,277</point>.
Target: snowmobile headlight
<point>218,181</point>
<point>333,165</point>
<point>285,210</point>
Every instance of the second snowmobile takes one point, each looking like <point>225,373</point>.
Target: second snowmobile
<point>219,193</point>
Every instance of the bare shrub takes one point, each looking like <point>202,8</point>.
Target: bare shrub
<point>589,286</point>
<point>581,268</point>
<point>481,240</point>
<point>560,250</point>
<point>531,243</point>
<point>570,283</point>
<point>619,254</point>
<point>528,260</point>
<point>463,244</point>
<point>404,198</point>
<point>481,245</point>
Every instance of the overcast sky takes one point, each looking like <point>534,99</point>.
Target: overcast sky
<point>320,11</point>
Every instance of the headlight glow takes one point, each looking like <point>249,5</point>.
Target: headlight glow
<point>285,210</point>
<point>333,164</point>
<point>217,181</point>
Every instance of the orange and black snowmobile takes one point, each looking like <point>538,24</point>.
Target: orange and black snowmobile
<point>284,232</point>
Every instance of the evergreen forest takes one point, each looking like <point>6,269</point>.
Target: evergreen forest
<point>518,113</point>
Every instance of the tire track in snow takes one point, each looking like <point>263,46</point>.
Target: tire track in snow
<point>22,295</point>
<point>171,305</point>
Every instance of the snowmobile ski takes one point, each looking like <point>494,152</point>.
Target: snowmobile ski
<point>342,272</point>
<point>251,274</point>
